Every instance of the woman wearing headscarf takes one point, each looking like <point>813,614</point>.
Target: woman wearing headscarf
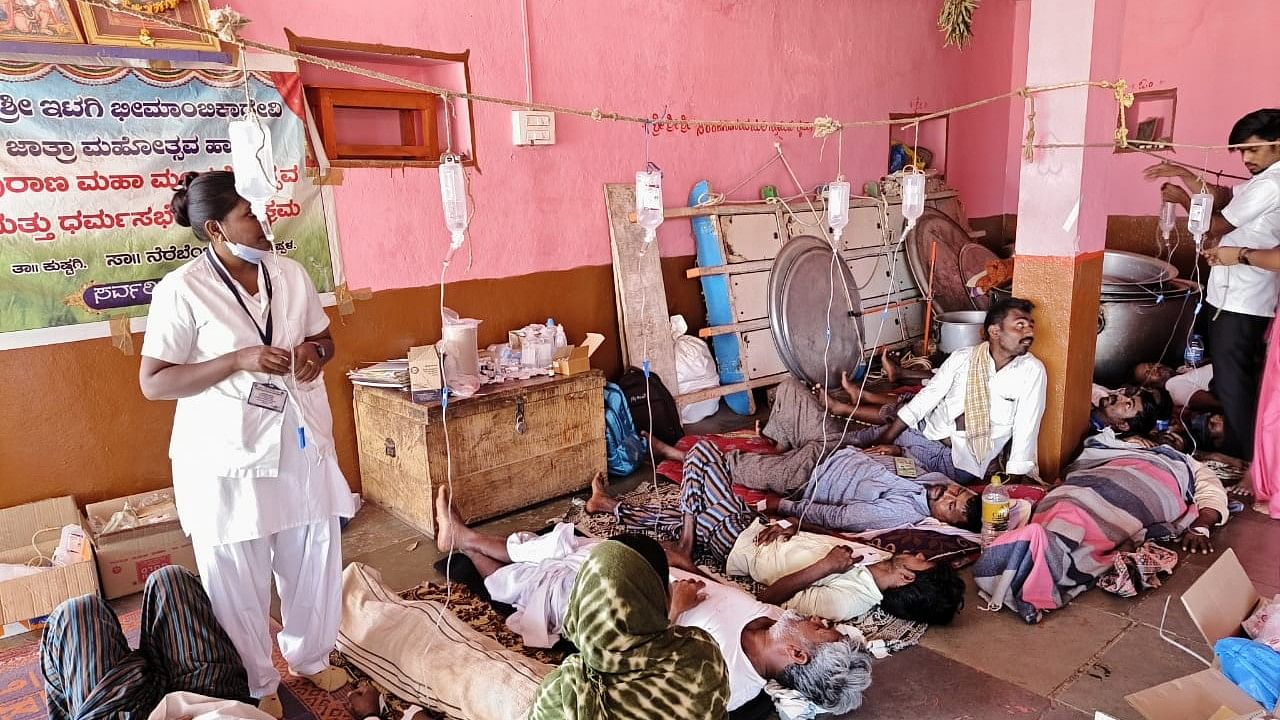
<point>631,662</point>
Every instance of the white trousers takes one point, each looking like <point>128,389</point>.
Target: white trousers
<point>306,562</point>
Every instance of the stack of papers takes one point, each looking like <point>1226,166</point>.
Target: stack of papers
<point>389,374</point>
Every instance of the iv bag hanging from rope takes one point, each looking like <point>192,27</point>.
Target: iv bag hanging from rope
<point>253,161</point>
<point>649,201</point>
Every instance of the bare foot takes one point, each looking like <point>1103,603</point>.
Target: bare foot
<point>600,500</point>
<point>449,523</point>
<point>892,371</point>
<point>661,449</point>
<point>680,557</point>
<point>831,404</point>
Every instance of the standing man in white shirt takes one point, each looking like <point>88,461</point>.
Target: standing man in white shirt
<point>982,399</point>
<point>1240,300</point>
<point>238,337</point>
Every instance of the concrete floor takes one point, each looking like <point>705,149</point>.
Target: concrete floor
<point>1082,658</point>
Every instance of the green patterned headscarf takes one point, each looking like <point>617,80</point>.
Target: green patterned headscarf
<point>631,662</point>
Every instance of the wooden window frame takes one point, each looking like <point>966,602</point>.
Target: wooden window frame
<point>412,108</point>
<point>381,53</point>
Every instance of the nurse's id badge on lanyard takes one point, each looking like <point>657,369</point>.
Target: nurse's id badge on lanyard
<point>262,395</point>
<point>267,397</point>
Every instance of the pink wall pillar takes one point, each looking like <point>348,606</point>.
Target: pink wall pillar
<point>1061,206</point>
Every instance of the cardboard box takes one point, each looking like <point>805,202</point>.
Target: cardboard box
<point>424,369</point>
<point>126,558</point>
<point>35,596</point>
<point>1218,602</point>
<point>576,358</point>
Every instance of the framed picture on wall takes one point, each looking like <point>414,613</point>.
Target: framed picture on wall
<point>38,21</point>
<point>105,27</point>
<point>1148,129</point>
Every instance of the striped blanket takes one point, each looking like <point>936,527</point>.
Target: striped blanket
<point>1110,497</point>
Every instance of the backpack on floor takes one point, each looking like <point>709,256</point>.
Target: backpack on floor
<point>652,395</point>
<point>624,447</point>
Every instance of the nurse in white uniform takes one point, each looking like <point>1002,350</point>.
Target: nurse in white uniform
<point>238,337</point>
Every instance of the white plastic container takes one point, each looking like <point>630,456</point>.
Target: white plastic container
<point>458,341</point>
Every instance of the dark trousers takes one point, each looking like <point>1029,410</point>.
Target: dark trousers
<point>91,674</point>
<point>1237,343</point>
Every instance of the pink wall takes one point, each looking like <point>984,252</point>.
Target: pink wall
<point>542,209</point>
<point>1220,57</point>
<point>1221,67</point>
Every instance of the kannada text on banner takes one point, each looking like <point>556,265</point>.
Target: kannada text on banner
<point>89,158</point>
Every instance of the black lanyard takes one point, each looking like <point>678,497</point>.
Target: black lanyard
<point>266,334</point>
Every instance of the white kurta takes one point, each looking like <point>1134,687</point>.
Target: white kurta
<point>231,482</point>
<point>837,597</point>
<point>1017,394</point>
<point>257,501</point>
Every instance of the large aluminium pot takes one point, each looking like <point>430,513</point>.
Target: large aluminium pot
<point>1139,329</point>
<point>960,329</point>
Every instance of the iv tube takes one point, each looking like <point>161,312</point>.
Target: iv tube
<point>837,208</point>
<point>1199,216</point>
<point>912,197</point>
<point>253,162</point>
<point>453,195</point>
<point>1167,220</point>
<point>649,201</point>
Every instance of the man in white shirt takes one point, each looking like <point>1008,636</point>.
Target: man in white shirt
<point>1240,300</point>
<point>760,642</point>
<point>977,420</point>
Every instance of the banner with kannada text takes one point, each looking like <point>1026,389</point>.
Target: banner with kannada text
<point>89,157</point>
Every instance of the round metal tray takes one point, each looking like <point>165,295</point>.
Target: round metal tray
<point>802,306</point>
<point>936,229</point>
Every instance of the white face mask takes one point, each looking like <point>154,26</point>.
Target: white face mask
<point>248,254</point>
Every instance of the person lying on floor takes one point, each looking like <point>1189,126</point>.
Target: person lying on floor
<point>1188,387</point>
<point>1130,410</point>
<point>1114,497</point>
<point>631,654</point>
<point>849,491</point>
<point>811,573</point>
<point>537,574</point>
<point>981,399</point>
<point>185,665</point>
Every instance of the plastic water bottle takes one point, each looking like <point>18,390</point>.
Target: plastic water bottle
<point>1193,356</point>
<point>995,510</point>
<point>557,332</point>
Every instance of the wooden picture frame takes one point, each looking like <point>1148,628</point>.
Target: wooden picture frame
<point>104,27</point>
<point>48,21</point>
<point>1148,129</point>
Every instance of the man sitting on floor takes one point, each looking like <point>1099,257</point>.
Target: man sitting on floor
<point>981,399</point>
<point>760,642</point>
<point>810,573</point>
<point>185,666</point>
